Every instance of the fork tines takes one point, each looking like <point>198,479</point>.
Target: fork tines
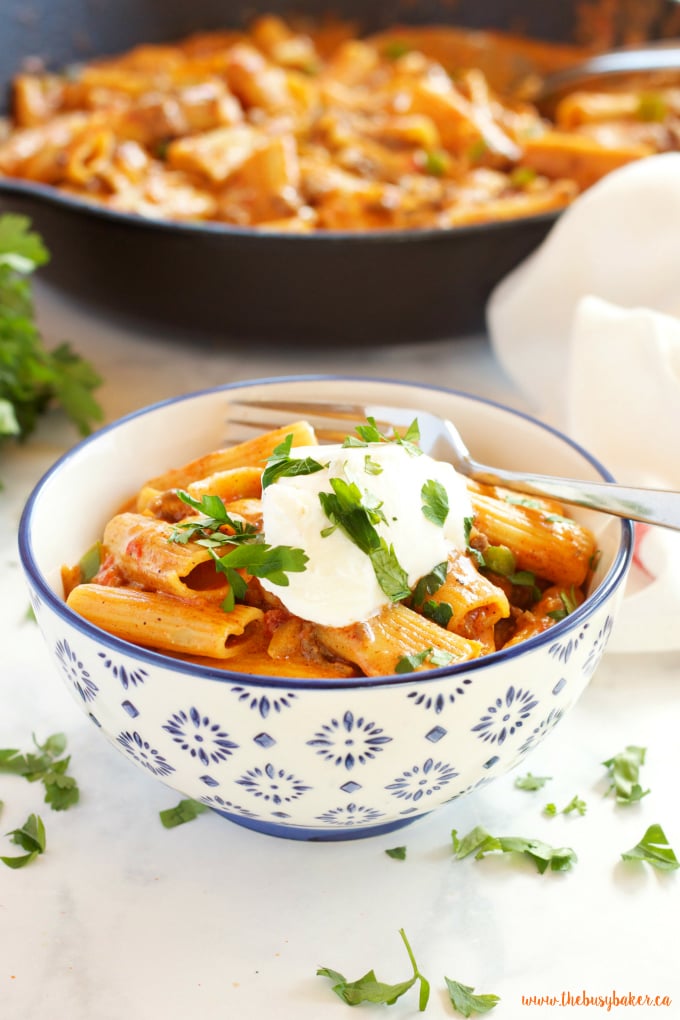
<point>332,422</point>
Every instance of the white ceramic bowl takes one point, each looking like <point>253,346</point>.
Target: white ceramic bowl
<point>324,759</point>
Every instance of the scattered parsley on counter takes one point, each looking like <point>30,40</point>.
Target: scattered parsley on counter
<point>480,843</point>
<point>654,849</point>
<point>624,774</point>
<point>185,811</point>
<point>369,989</point>
<point>32,379</point>
<point>47,765</point>
<point>575,804</point>
<point>465,1002</point>
<point>31,838</point>
<point>397,852</point>
<point>531,782</point>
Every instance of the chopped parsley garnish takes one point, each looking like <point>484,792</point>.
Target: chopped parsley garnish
<point>430,656</point>
<point>569,604</point>
<point>499,560</point>
<point>47,766</point>
<point>531,782</point>
<point>652,107</point>
<point>395,49</point>
<point>480,843</point>
<point>32,379</point>
<point>370,433</point>
<point>281,463</point>
<point>356,514</point>
<point>184,811</point>
<point>435,502</point>
<point>654,849</point>
<point>430,583</point>
<point>439,612</point>
<point>206,530</point>
<point>435,162</point>
<point>372,467</point>
<point>31,838</point>
<point>369,989</point>
<point>464,1000</point>
<point>251,552</point>
<point>624,775</point>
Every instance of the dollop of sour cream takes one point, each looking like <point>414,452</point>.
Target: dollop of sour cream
<point>339,585</point>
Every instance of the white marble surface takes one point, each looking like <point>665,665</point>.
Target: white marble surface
<point>122,918</point>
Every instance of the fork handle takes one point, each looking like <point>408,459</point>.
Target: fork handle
<point>651,506</point>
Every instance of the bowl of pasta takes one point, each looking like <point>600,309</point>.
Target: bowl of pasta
<point>391,160</point>
<point>320,634</point>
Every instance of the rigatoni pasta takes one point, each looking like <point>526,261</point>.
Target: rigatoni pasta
<point>303,128</point>
<point>186,568</point>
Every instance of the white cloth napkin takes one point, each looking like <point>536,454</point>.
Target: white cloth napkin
<point>588,327</point>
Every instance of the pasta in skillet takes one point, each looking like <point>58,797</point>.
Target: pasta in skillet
<point>186,569</point>
<point>317,129</point>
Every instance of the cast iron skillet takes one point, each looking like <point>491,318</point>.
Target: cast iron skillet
<point>231,284</point>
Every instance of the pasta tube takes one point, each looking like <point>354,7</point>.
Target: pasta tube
<point>162,621</point>
<point>143,554</point>
<point>549,545</point>
<point>377,644</point>
<point>251,453</point>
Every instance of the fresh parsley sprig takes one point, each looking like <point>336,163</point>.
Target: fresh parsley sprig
<point>369,989</point>
<point>33,378</point>
<point>46,765</point>
<point>531,782</point>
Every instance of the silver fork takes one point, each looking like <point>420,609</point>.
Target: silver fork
<point>332,422</point>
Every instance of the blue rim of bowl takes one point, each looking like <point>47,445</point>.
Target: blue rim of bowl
<point>610,582</point>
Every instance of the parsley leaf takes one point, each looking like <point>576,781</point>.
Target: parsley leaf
<point>654,849</point>
<point>465,1002</point>
<point>47,767</point>
<point>575,804</point>
<point>357,514</point>
<point>369,989</point>
<point>280,463</point>
<point>435,502</point>
<point>370,433</point>
<point>428,656</point>
<point>31,838</point>
<point>569,604</point>
<point>430,583</point>
<point>480,842</point>
<point>32,378</point>
<point>531,782</point>
<point>184,811</point>
<point>438,612</point>
<point>624,775</point>
<point>206,530</point>
<point>398,853</point>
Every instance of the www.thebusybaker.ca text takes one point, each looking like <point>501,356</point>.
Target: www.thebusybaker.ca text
<point>601,1001</point>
